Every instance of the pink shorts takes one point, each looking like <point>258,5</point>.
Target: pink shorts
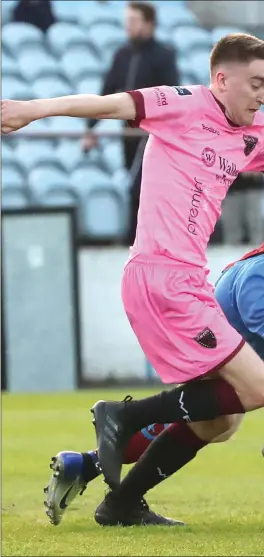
<point>177,320</point>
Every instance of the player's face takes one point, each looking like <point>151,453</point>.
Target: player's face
<point>135,24</point>
<point>244,93</point>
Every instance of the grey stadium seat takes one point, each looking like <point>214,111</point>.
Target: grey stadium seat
<point>31,153</point>
<point>45,178</point>
<point>58,197</point>
<point>84,179</point>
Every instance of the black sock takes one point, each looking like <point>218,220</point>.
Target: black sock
<point>90,469</point>
<point>171,450</point>
<point>192,402</point>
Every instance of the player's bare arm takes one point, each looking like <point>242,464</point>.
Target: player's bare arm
<point>18,114</point>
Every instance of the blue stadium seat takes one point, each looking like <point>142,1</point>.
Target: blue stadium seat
<point>97,12</point>
<point>58,197</point>
<point>187,38</point>
<point>41,126</point>
<point>64,124</point>
<point>102,215</point>
<point>14,199</point>
<point>7,9</point>
<point>113,155</point>
<point>69,153</point>
<point>66,10</point>
<point>16,36</point>
<point>79,62</point>
<point>9,67</point>
<point>12,177</point>
<point>219,32</point>
<point>60,36</point>
<point>47,177</point>
<point>37,64</point>
<point>89,85</point>
<point>173,14</point>
<point>89,177</point>
<point>51,86</point>
<point>199,61</point>
<point>8,154</point>
<point>13,88</point>
<point>105,35</point>
<point>31,153</point>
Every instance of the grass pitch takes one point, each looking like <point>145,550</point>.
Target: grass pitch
<point>220,494</point>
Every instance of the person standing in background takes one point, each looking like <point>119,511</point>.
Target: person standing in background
<point>242,210</point>
<point>36,12</point>
<point>141,62</point>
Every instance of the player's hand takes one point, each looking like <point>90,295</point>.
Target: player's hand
<point>88,142</point>
<point>15,115</point>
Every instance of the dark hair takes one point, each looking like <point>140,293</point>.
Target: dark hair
<point>148,11</point>
<point>237,47</point>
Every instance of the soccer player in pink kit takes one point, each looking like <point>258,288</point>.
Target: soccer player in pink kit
<point>200,139</point>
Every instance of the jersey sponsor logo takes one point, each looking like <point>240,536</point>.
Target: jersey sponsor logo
<point>224,180</point>
<point>195,206</point>
<point>161,97</point>
<point>206,338</point>
<point>228,167</point>
<point>208,156</point>
<point>210,129</point>
<point>250,144</point>
<point>182,91</point>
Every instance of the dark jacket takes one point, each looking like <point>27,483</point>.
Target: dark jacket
<point>36,12</point>
<point>136,66</point>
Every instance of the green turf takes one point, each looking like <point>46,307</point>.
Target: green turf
<point>219,495</point>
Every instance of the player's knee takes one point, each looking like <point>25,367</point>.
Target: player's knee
<point>212,429</point>
<point>230,426</point>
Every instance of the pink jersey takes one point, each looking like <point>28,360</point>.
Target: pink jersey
<point>192,156</point>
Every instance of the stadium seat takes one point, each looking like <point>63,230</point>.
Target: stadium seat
<point>7,152</point>
<point>37,64</point>
<point>219,32</point>
<point>113,155</point>
<point>105,35</point>
<point>174,14</point>
<point>51,87</point>
<point>199,61</point>
<point>80,62</point>
<point>58,197</point>
<point>12,177</point>
<point>14,199</point>
<point>13,88</point>
<point>60,36</point>
<point>187,38</point>
<point>89,177</point>
<point>95,12</point>
<point>69,153</point>
<point>89,85</point>
<point>41,126</point>
<point>64,124</point>
<point>7,9</point>
<point>47,177</point>
<point>31,153</point>
<point>102,215</point>
<point>16,36</point>
<point>9,67</point>
<point>66,11</point>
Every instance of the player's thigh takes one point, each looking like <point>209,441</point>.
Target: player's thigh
<point>218,430</point>
<point>245,372</point>
<point>179,325</point>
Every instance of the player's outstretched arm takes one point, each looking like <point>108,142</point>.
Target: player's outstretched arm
<point>18,114</point>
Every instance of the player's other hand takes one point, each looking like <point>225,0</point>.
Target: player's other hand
<point>15,115</point>
<point>88,142</point>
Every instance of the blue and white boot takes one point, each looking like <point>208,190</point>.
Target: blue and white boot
<point>66,482</point>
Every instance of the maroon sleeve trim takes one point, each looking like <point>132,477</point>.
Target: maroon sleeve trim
<point>140,108</point>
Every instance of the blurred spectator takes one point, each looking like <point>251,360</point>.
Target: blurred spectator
<point>242,210</point>
<point>36,12</point>
<point>141,62</point>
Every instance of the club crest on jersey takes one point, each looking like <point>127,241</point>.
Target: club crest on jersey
<point>209,156</point>
<point>182,91</point>
<point>206,338</point>
<point>250,144</point>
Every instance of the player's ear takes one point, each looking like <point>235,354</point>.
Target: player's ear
<point>220,79</point>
